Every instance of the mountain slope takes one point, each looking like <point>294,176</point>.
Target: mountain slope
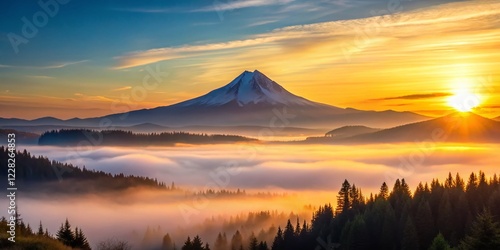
<point>251,99</point>
<point>456,127</point>
<point>249,88</point>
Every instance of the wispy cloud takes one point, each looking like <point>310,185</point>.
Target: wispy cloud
<point>122,88</point>
<point>63,64</point>
<point>147,10</point>
<point>227,5</point>
<point>261,23</point>
<point>41,77</point>
<point>335,32</point>
<point>139,58</point>
<point>50,66</point>
<point>413,96</point>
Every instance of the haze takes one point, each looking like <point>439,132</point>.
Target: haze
<point>299,175</point>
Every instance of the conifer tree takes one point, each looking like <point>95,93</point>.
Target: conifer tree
<point>167,243</point>
<point>278,243</point>
<point>439,243</point>
<point>40,229</point>
<point>410,238</point>
<point>485,234</point>
<point>65,235</point>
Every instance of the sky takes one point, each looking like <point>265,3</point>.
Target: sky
<point>70,58</point>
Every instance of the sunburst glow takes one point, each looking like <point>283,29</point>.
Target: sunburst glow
<point>464,98</point>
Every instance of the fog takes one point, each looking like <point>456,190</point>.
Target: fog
<point>295,175</point>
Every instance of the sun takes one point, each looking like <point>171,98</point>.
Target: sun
<point>464,99</point>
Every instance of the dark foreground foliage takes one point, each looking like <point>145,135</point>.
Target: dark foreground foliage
<point>25,238</point>
<point>456,214</point>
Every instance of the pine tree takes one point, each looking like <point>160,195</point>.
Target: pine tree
<point>388,238</point>
<point>263,246</point>
<point>384,191</point>
<point>237,241</point>
<point>449,182</point>
<point>253,243</point>
<point>167,243</point>
<point>80,241</point>
<point>188,245</point>
<point>40,229</point>
<point>343,198</point>
<point>65,235</point>
<point>289,236</point>
<point>439,243</point>
<point>358,235</point>
<point>410,238</point>
<point>444,220</point>
<point>485,234</point>
<point>424,224</point>
<point>220,243</point>
<point>278,243</point>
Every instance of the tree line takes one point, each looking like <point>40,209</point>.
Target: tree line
<point>73,137</point>
<point>26,238</point>
<point>37,172</point>
<point>454,214</point>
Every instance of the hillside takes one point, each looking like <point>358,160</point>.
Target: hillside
<point>456,127</point>
<point>71,137</point>
<point>39,174</point>
<point>348,131</point>
<point>21,137</point>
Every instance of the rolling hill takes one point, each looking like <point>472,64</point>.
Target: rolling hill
<point>456,127</point>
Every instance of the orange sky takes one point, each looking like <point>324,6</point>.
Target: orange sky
<point>412,61</point>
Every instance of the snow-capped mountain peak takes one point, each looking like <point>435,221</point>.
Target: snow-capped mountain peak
<point>249,88</point>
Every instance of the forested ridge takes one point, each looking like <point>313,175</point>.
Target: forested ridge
<point>74,137</point>
<point>454,214</point>
<point>37,172</point>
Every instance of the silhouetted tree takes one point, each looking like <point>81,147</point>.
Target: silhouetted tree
<point>65,235</point>
<point>167,243</point>
<point>278,243</point>
<point>410,238</point>
<point>485,234</point>
<point>439,243</point>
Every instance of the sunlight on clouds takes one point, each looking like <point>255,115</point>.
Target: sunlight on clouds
<point>392,54</point>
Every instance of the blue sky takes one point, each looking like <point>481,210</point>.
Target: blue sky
<point>101,30</point>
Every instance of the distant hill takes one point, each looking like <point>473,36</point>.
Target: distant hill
<point>21,137</point>
<point>456,127</point>
<point>348,131</point>
<point>72,137</point>
<point>36,173</point>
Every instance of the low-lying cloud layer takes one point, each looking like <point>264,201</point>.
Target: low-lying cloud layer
<point>307,174</point>
<point>282,167</point>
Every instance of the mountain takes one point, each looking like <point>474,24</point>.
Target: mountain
<point>456,127</point>
<point>497,119</point>
<point>247,89</point>
<point>251,99</point>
